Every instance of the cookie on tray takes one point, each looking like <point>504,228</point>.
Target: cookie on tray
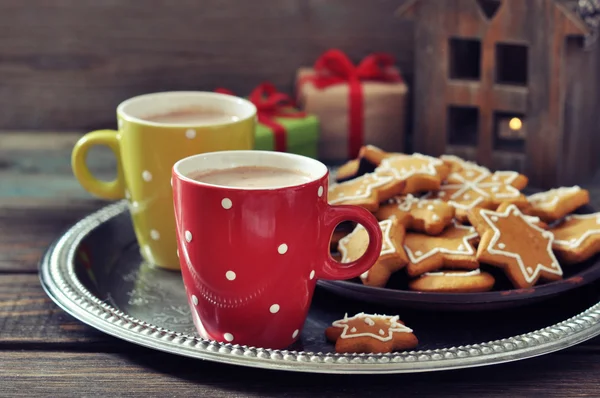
<point>421,172</point>
<point>421,215</point>
<point>452,281</point>
<point>454,248</point>
<point>556,203</point>
<point>370,333</point>
<point>391,259</point>
<point>577,238</point>
<point>367,190</point>
<point>512,243</point>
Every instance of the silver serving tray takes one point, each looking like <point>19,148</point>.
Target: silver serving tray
<point>95,273</point>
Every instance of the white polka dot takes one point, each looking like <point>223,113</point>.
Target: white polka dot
<point>282,249</point>
<point>494,218</point>
<point>418,253</point>
<point>320,192</point>
<point>194,299</point>
<point>295,333</point>
<point>154,234</point>
<point>435,217</point>
<point>530,270</point>
<point>191,133</point>
<point>430,207</point>
<point>495,178</point>
<point>146,175</point>
<point>228,336</point>
<point>353,330</point>
<point>274,309</point>
<point>495,189</point>
<point>467,196</point>
<point>441,194</point>
<point>230,275</point>
<point>501,245</point>
<point>312,275</point>
<point>226,203</point>
<point>188,236</point>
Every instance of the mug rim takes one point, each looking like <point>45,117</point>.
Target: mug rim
<point>324,172</point>
<point>227,97</point>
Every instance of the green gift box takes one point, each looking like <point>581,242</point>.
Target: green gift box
<point>301,135</point>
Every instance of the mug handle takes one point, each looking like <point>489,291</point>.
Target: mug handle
<point>334,270</point>
<point>104,189</point>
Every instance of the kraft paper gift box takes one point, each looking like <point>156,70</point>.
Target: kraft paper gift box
<point>355,105</point>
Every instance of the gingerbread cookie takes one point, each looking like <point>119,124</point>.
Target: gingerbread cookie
<point>532,219</point>
<point>557,203</point>
<point>370,333</point>
<point>421,172</point>
<point>453,248</point>
<point>391,259</point>
<point>453,282</point>
<point>421,215</point>
<point>366,191</point>
<point>577,238</point>
<point>520,248</point>
<point>475,186</point>
<point>457,164</point>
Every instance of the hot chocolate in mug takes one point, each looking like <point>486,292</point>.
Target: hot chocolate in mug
<point>253,233</point>
<point>155,131</point>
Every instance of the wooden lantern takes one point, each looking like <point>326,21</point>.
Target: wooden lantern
<point>509,84</point>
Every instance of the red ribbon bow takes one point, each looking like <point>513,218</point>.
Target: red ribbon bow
<point>334,67</point>
<point>269,105</point>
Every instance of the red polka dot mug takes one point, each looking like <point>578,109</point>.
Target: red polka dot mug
<point>253,231</point>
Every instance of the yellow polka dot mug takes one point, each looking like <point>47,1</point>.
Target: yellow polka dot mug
<point>155,131</point>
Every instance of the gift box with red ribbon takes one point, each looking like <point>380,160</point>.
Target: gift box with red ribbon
<point>281,125</point>
<point>356,104</point>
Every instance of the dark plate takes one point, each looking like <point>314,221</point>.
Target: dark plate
<point>396,293</point>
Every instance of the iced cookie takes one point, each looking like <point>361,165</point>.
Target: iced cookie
<point>532,219</point>
<point>370,333</point>
<point>391,259</point>
<point>457,163</point>
<point>453,248</point>
<point>474,186</point>
<point>557,203</point>
<point>577,238</point>
<point>421,172</point>
<point>453,282</point>
<point>421,215</point>
<point>520,248</point>
<point>367,191</point>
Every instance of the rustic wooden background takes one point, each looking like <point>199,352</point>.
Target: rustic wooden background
<point>66,64</point>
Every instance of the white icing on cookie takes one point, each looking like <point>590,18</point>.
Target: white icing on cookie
<point>550,198</point>
<point>395,327</point>
<point>387,246</point>
<point>452,274</point>
<point>387,165</point>
<point>466,249</point>
<point>494,247</point>
<point>574,243</point>
<point>364,190</point>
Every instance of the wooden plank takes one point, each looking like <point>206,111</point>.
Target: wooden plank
<point>143,372</point>
<point>29,318</point>
<point>67,64</point>
<point>28,227</point>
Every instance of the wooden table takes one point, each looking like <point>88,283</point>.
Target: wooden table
<point>44,351</point>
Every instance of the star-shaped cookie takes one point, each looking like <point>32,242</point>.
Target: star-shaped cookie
<point>453,248</point>
<point>366,191</point>
<point>370,333</point>
<point>532,219</point>
<point>475,186</point>
<point>520,248</point>
<point>577,238</point>
<point>421,172</point>
<point>557,203</point>
<point>421,215</point>
<point>391,259</point>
